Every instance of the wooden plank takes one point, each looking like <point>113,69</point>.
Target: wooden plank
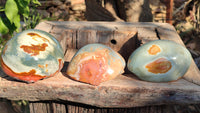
<point>146,34</point>
<point>84,37</point>
<point>67,39</point>
<point>44,26</point>
<point>167,32</point>
<point>39,107</point>
<point>100,25</point>
<point>71,109</point>
<point>59,108</point>
<point>123,39</point>
<point>89,109</point>
<point>122,92</point>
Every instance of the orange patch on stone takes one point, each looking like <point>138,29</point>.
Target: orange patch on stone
<point>34,50</point>
<point>160,65</point>
<point>35,36</point>
<point>154,49</point>
<point>92,70</point>
<point>5,48</point>
<point>30,76</point>
<point>46,67</point>
<point>41,66</point>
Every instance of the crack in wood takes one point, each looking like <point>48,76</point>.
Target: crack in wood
<point>157,33</point>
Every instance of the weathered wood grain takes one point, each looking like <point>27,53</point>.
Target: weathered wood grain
<point>77,108</point>
<point>124,91</point>
<point>59,108</point>
<point>147,109</point>
<point>146,34</point>
<point>39,107</point>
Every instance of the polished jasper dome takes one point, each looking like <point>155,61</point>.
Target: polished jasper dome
<point>160,61</point>
<point>95,63</point>
<point>32,55</point>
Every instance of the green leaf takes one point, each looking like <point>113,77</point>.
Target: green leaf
<point>23,6</point>
<point>17,22</point>
<point>36,2</point>
<point>1,8</point>
<point>3,28</point>
<point>28,1</point>
<point>24,2</point>
<point>11,10</point>
<point>9,25</point>
<point>25,11</point>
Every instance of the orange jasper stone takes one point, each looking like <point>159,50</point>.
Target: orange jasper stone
<point>160,65</point>
<point>95,63</point>
<point>154,49</point>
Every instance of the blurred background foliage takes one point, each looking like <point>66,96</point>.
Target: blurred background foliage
<point>13,11</point>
